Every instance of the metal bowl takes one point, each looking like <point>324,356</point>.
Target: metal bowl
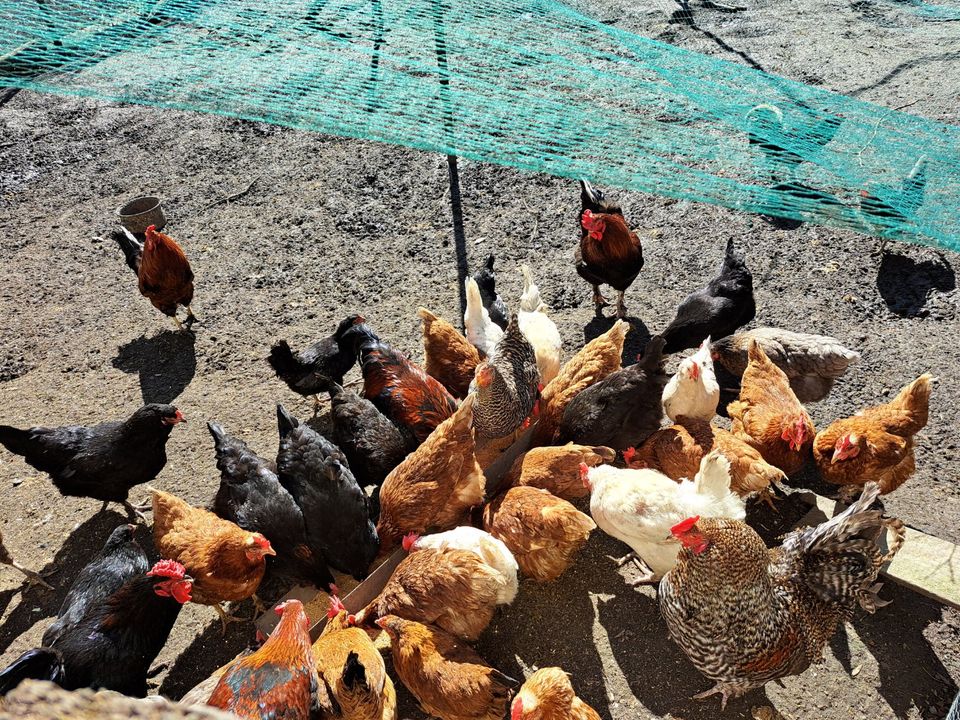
<point>140,213</point>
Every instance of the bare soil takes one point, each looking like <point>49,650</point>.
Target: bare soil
<point>332,226</point>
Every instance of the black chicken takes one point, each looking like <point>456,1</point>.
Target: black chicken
<point>623,409</point>
<point>717,310</point>
<point>336,511</point>
<point>113,622</point>
<point>102,462</point>
<point>310,371</point>
<point>373,445</point>
<point>487,282</point>
<point>251,496</point>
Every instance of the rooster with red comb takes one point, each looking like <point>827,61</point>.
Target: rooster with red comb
<point>163,271</point>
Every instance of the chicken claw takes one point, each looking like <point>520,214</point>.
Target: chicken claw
<point>719,689</point>
<point>33,578</point>
<point>258,604</point>
<point>136,511</point>
<point>226,618</point>
<point>598,299</point>
<point>768,497</point>
<point>625,559</point>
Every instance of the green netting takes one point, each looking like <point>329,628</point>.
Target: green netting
<point>931,11</point>
<point>528,83</point>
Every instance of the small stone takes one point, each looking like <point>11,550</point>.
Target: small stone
<point>17,481</point>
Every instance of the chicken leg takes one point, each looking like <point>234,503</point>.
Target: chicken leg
<point>226,618</point>
<point>136,511</point>
<point>598,299</point>
<point>621,308</point>
<point>33,578</point>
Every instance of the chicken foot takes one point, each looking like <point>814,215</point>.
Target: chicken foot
<point>598,299</point>
<point>258,605</point>
<point>621,307</point>
<point>33,578</point>
<point>647,575</point>
<point>134,511</point>
<point>226,618</point>
<point>720,689</point>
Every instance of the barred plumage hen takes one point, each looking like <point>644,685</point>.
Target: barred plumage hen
<point>745,615</point>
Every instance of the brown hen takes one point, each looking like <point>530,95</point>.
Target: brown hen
<point>548,695</point>
<point>557,469</point>
<point>448,357</point>
<point>444,674</point>
<point>543,532</point>
<point>163,271</point>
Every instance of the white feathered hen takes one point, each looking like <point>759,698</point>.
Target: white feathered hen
<point>640,506</point>
<point>539,330</point>
<point>693,391</point>
<point>488,548</point>
<point>482,332</point>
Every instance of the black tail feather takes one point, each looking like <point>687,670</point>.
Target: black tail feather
<point>36,664</point>
<point>282,359</point>
<point>132,248</point>
<point>285,421</point>
<point>16,440</point>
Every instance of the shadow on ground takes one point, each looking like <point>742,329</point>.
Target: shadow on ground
<point>166,363</point>
<point>905,283</point>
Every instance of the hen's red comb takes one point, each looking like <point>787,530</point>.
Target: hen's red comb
<point>336,607</point>
<point>628,454</point>
<point>169,569</point>
<point>409,540</point>
<point>684,525</point>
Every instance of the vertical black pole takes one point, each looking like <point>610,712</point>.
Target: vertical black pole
<point>453,174</point>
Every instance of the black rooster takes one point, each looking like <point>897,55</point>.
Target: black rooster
<point>113,622</point>
<point>310,371</point>
<point>102,462</point>
<point>336,511</point>
<point>487,283</point>
<point>717,310</point>
<point>251,496</point>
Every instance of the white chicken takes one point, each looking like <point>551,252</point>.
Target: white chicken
<point>482,332</point>
<point>640,506</point>
<point>539,330</point>
<point>488,548</point>
<point>693,391</point>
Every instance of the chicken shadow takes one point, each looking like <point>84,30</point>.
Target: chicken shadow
<point>633,345</point>
<point>911,674</point>
<point>85,542</point>
<point>551,624</point>
<point>166,363</point>
<point>906,283</point>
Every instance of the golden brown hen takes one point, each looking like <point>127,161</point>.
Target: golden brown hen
<point>768,415</point>
<point>444,674</point>
<point>548,695</point>
<point>557,468</point>
<point>543,532</point>
<point>448,357</point>
<point>437,484</point>
<point>226,561</point>
<point>875,444</point>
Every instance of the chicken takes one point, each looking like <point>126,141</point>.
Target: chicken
<point>450,588</point>
<point>556,469</point>
<point>33,578</point>
<point>336,510</point>
<point>811,362</point>
<point>163,271</point>
<point>227,561</point>
<point>251,496</point>
<point>876,444</point>
<point>678,450</point>
<point>113,623</point>
<point>623,409</point>
<point>507,385</point>
<point>609,252</point>
<point>37,700</point>
<point>597,359</point>
<point>482,544</point>
<point>276,681</point>
<point>717,310</point>
<point>548,695</point>
<point>486,281</point>
<point>310,371</point>
<point>639,507</point>
<point>543,532</point>
<point>693,391</point>
<point>768,415</point>
<point>400,389</point>
<point>373,445</point>
<point>354,684</point>
<point>539,330</point>
<point>102,462</point>
<point>448,356</point>
<point>444,674</point>
<point>437,484</point>
<point>745,615</point>
<point>481,331</point>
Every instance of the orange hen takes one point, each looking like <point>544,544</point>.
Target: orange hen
<point>768,415</point>
<point>557,469</point>
<point>448,357</point>
<point>163,271</point>
<point>548,695</point>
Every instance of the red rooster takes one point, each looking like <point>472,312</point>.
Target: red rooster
<point>399,388</point>
<point>163,271</point>
<point>276,681</point>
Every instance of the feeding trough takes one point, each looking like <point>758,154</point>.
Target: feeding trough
<point>140,213</point>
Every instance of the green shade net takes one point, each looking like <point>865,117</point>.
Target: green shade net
<point>528,83</point>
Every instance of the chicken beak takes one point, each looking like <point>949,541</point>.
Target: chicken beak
<point>836,456</point>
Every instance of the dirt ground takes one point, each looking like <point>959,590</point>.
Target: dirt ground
<point>332,226</point>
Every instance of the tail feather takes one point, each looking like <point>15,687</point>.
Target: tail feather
<point>714,476</point>
<point>285,421</point>
<point>37,664</point>
<point>218,433</point>
<point>354,673</point>
<point>652,358</point>
<point>16,440</point>
<point>282,359</point>
<point>914,402</point>
<point>132,248</point>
